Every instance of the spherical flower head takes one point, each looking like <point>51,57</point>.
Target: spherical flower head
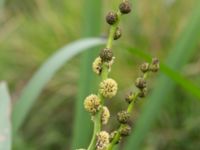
<point>125,7</point>
<point>108,88</point>
<point>155,65</point>
<point>123,117</point>
<point>140,83</point>
<point>118,34</point>
<point>92,104</point>
<point>105,116</point>
<point>125,130</point>
<point>97,65</point>
<point>106,55</point>
<point>102,140</point>
<point>144,67</point>
<point>111,18</point>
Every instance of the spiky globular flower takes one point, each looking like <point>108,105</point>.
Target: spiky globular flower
<point>125,7</point>
<point>118,34</point>
<point>125,130</point>
<point>102,140</point>
<point>97,65</point>
<point>123,117</point>
<point>140,83</point>
<point>108,88</point>
<point>106,55</point>
<point>92,103</point>
<point>155,65</point>
<point>144,67</point>
<point>105,116</point>
<point>111,18</point>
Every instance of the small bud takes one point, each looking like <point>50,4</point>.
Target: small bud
<point>155,65</point>
<point>143,93</point>
<point>125,7</point>
<point>125,130</point>
<point>97,65</point>
<point>118,34</point>
<point>105,116</point>
<point>102,140</point>
<point>92,104</point>
<point>111,18</point>
<point>129,98</point>
<point>106,55</point>
<point>144,67</point>
<point>108,88</point>
<point>112,135</point>
<point>123,117</point>
<point>140,83</point>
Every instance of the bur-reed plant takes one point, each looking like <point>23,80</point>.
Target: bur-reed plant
<point>108,87</point>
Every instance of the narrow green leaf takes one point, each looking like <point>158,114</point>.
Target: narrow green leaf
<point>5,125</point>
<point>187,85</point>
<point>91,27</point>
<point>182,52</point>
<point>37,83</point>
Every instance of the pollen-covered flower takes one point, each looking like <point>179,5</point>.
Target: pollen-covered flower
<point>92,103</point>
<point>97,65</point>
<point>102,140</point>
<point>105,115</point>
<point>108,88</point>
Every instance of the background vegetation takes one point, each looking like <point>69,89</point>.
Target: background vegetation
<point>32,30</point>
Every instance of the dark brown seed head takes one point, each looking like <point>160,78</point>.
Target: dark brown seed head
<point>140,83</point>
<point>117,34</point>
<point>106,55</point>
<point>144,67</point>
<point>125,130</point>
<point>143,93</point>
<point>125,7</point>
<point>155,65</point>
<point>123,117</point>
<point>111,18</point>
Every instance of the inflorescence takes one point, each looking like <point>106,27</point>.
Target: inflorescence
<point>108,88</point>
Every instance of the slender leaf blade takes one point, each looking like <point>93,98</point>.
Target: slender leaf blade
<point>5,125</point>
<point>44,74</point>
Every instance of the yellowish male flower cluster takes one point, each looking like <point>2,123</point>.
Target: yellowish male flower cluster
<point>92,103</point>
<point>105,116</point>
<point>102,140</point>
<point>108,88</point>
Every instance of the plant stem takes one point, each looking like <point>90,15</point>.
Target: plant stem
<point>129,110</point>
<point>104,76</point>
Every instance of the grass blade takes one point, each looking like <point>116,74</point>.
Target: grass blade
<point>5,125</point>
<point>44,75</point>
<point>92,27</point>
<point>183,51</point>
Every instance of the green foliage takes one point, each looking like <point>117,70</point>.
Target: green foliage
<point>5,124</point>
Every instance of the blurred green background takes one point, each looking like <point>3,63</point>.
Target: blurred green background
<point>32,30</point>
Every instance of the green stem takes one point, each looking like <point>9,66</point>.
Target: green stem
<point>129,110</point>
<point>104,76</point>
